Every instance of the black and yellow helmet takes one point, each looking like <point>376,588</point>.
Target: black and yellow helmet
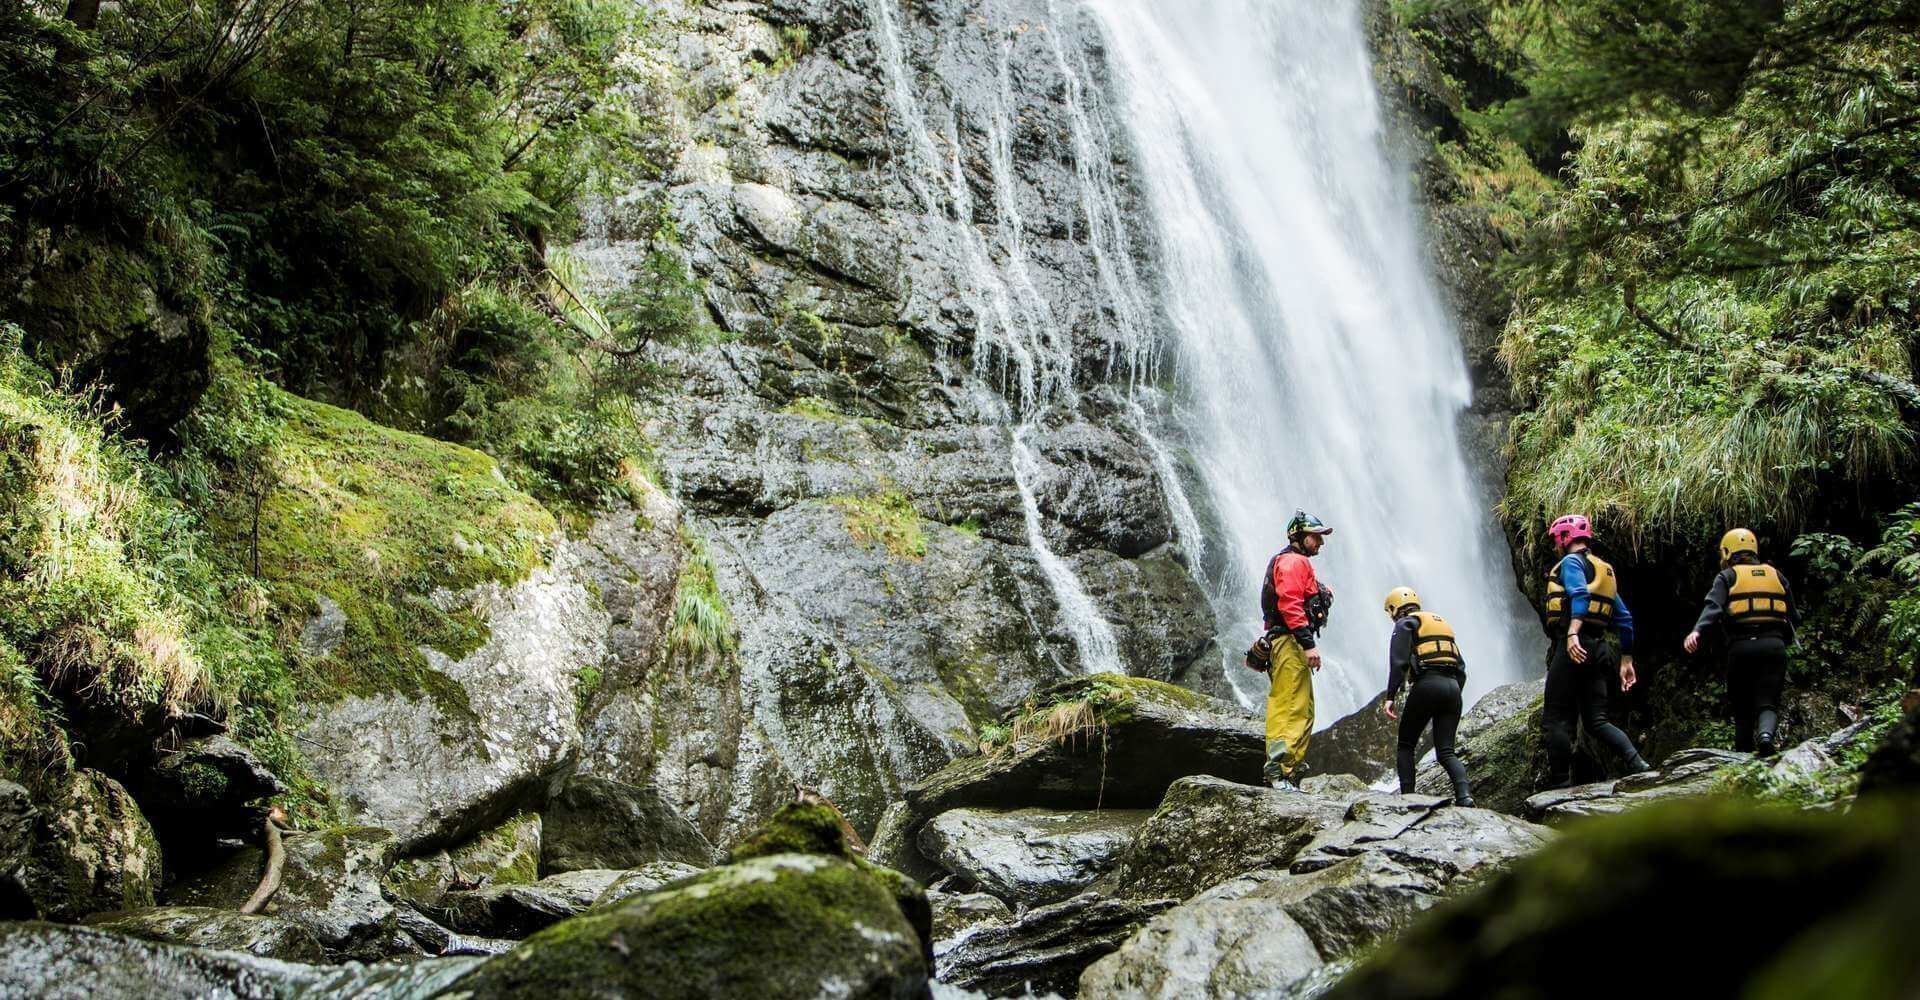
<point>1303,524</point>
<point>1737,541</point>
<point>1401,600</point>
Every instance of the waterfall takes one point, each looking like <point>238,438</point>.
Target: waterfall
<point>1314,364</point>
<point>1019,345</point>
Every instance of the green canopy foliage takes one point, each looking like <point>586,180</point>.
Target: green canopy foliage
<point>1716,298</point>
<point>326,175</point>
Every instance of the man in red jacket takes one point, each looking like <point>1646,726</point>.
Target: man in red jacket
<point>1295,607</point>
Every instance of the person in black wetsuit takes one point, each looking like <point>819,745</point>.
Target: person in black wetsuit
<point>1591,634</point>
<point>1424,653</point>
<point>1751,602</point>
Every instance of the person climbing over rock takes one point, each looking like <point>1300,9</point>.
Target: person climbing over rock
<point>1424,654</point>
<point>1592,632</point>
<point>1750,605</point>
<point>1295,607</point>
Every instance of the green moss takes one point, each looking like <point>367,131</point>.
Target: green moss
<point>378,521</point>
<point>108,597</point>
<point>815,408</point>
<point>888,520</point>
<point>773,926</point>
<point>799,828</point>
<point>970,682</point>
<point>1667,871</point>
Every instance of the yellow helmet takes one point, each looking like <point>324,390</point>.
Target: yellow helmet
<point>1400,599</point>
<point>1735,542</point>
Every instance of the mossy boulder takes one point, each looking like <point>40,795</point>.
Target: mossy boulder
<point>508,854</point>
<point>601,823</point>
<point>92,850</point>
<point>439,686</point>
<point>330,884</point>
<point>1103,741</point>
<point>118,318</point>
<point>776,926</point>
<point>1714,898</point>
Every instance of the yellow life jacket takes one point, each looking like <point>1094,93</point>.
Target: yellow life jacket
<point>1602,591</point>
<point>1757,596</point>
<point>1433,643</point>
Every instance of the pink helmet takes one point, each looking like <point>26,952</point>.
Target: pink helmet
<point>1570,528</point>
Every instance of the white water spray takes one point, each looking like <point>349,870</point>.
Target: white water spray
<point>1315,364</point>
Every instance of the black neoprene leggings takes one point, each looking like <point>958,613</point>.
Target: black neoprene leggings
<point>1756,670</point>
<point>1579,691</point>
<point>1434,698</point>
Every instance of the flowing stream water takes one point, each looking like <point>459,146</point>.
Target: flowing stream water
<point>1315,365</point>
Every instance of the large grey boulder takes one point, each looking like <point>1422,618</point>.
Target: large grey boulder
<point>85,963</point>
<point>1115,742</point>
<point>92,850</point>
<point>1208,830</point>
<point>1029,856</point>
<point>1361,743</point>
<point>1426,834</point>
<point>1258,934</point>
<point>259,935</point>
<point>515,911</point>
<point>1499,742</point>
<point>1044,949</point>
<point>330,884</point>
<point>642,880</point>
<point>777,926</point>
<point>600,823</point>
<point>437,769</point>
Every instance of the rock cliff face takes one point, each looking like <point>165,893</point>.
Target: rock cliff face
<point>911,449</point>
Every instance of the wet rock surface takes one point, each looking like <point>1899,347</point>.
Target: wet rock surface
<point>1028,856</point>
<point>955,913</point>
<point>84,963</point>
<point>1687,773</point>
<point>1044,949</point>
<point>221,930</point>
<point>1208,830</point>
<point>515,911</point>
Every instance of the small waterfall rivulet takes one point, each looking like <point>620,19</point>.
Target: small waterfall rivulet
<point>1314,364</point>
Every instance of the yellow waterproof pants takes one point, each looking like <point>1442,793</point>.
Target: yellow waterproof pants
<point>1289,709</point>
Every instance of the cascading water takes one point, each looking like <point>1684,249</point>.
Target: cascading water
<point>1019,345</point>
<point>1315,365</point>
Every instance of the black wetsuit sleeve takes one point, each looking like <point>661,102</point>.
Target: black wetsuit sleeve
<point>1400,655</point>
<point>1714,611</point>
